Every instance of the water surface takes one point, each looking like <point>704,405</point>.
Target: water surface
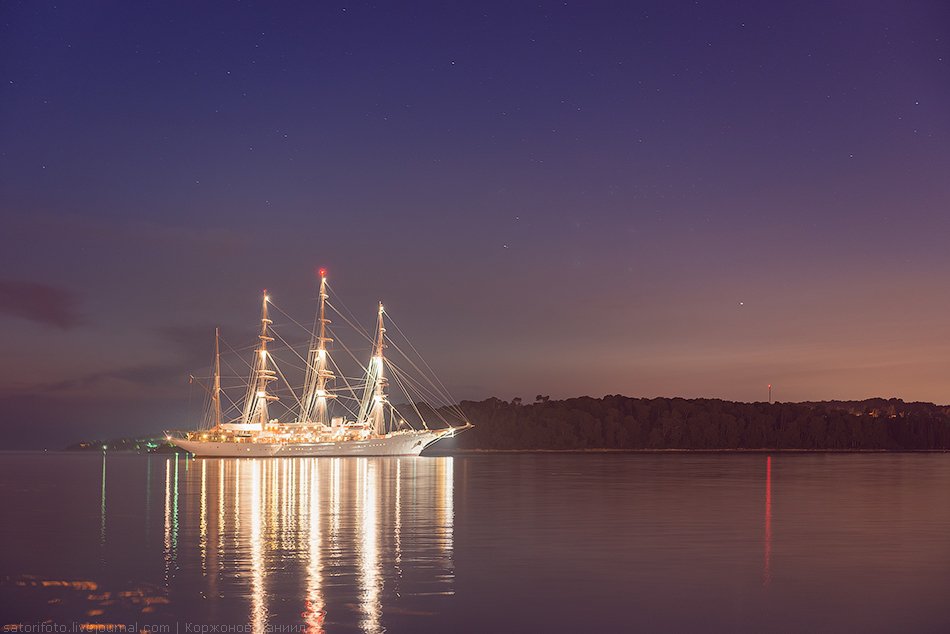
<point>513,542</point>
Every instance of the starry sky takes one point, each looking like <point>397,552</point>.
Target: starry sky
<point>648,198</point>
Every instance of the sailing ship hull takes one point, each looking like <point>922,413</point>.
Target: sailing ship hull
<point>400,444</point>
<point>204,448</point>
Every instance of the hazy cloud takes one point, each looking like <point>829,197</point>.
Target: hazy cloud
<point>195,342</point>
<point>40,303</point>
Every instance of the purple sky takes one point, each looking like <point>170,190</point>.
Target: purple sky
<point>654,199</point>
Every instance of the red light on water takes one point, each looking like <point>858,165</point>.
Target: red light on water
<point>767,568</point>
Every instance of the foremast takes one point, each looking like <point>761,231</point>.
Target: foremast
<point>255,405</point>
<point>313,405</point>
<point>373,405</point>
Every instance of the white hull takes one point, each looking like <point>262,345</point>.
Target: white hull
<point>397,444</point>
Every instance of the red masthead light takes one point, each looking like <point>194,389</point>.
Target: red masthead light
<point>323,272</point>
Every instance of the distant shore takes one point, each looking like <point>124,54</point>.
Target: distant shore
<point>621,424</point>
<point>458,452</point>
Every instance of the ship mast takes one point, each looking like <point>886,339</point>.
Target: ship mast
<point>314,402</point>
<point>216,389</point>
<point>255,406</point>
<point>372,408</point>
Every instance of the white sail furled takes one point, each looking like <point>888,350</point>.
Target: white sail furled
<point>255,415</point>
<point>373,404</point>
<point>313,405</point>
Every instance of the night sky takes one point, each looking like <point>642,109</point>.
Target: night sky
<point>654,199</point>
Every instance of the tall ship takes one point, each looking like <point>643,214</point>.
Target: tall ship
<point>326,419</point>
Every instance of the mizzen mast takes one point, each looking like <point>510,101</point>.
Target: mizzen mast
<point>314,403</point>
<point>255,406</point>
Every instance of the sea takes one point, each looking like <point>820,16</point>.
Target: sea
<point>493,542</point>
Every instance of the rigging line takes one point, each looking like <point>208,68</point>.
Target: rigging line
<point>311,374</point>
<point>236,353</point>
<point>354,326</point>
<point>287,410</point>
<point>248,393</point>
<point>306,363</point>
<point>231,369</point>
<point>437,410</point>
<point>411,391</point>
<point>290,364</point>
<point>300,325</point>
<point>339,397</point>
<point>230,400</point>
<point>352,314</point>
<point>443,392</point>
<point>241,349</point>
<point>339,373</point>
<point>329,356</point>
<point>349,410</point>
<point>346,381</point>
<point>422,397</point>
<point>395,375</point>
<point>233,408</point>
<point>439,401</point>
<point>345,348</point>
<point>425,363</point>
<point>227,396</point>
<point>423,390</point>
<point>424,394</point>
<point>342,391</point>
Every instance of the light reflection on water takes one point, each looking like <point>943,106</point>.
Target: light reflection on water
<point>488,543</point>
<point>330,516</point>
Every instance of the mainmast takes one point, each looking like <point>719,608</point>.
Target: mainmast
<point>314,403</point>
<point>216,389</point>
<point>255,406</point>
<point>372,408</point>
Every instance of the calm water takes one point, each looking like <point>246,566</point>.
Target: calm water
<point>520,542</point>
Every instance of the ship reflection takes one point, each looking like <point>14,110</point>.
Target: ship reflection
<point>339,530</point>
<point>767,565</point>
<point>368,500</point>
<point>102,505</point>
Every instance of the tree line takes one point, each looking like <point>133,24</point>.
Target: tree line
<point>620,422</point>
